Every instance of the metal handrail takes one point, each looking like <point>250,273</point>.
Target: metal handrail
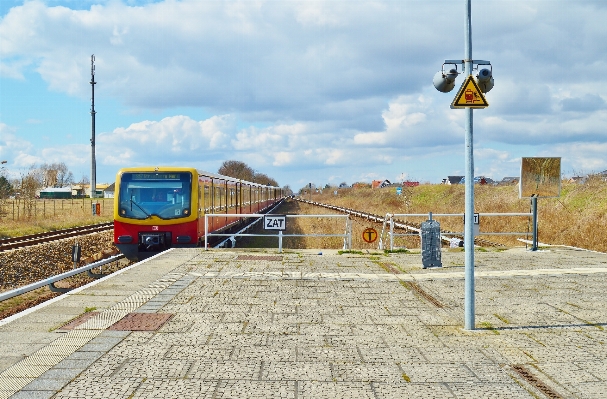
<point>52,280</point>
<point>389,218</point>
<point>347,235</point>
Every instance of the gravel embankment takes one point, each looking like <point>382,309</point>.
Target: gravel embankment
<point>24,266</point>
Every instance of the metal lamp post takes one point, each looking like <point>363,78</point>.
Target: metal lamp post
<point>469,96</point>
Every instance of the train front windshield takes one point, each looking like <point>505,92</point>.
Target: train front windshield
<point>166,195</point>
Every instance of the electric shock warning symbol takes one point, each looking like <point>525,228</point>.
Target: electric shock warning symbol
<point>370,235</point>
<point>469,95</point>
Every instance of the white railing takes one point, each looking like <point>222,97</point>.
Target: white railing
<point>389,220</point>
<point>347,235</point>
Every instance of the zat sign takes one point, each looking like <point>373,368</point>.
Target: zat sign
<point>275,222</point>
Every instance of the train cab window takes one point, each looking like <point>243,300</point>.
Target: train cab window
<point>165,195</point>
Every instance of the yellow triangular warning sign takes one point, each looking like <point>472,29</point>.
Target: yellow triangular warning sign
<point>469,95</point>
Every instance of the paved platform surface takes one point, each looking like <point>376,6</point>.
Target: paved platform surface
<point>246,324</point>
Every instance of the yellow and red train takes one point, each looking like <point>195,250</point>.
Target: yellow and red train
<point>156,208</point>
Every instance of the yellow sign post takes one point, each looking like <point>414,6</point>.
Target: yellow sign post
<point>469,95</point>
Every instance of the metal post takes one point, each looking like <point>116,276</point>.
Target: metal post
<point>469,194</point>
<point>206,232</point>
<point>392,233</point>
<point>279,241</point>
<point>93,162</point>
<point>349,229</point>
<point>534,210</point>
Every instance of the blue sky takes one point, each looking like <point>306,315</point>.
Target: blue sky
<point>303,91</point>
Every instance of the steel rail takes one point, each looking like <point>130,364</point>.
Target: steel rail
<point>34,239</point>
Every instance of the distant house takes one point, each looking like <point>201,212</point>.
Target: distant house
<point>410,183</point>
<point>578,179</point>
<point>509,181</point>
<point>601,175</point>
<point>452,180</point>
<point>109,191</point>
<point>56,193</point>
<point>343,185</point>
<point>380,183</point>
<point>482,180</point>
<point>84,190</point>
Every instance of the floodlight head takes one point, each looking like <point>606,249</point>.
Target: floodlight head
<point>485,80</point>
<point>444,82</point>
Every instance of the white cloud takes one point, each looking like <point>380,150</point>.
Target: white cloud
<point>11,146</point>
<point>172,136</point>
<point>301,87</point>
<point>584,157</point>
<point>283,158</point>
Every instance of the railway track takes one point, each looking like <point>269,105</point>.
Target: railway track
<point>34,239</point>
<point>398,224</point>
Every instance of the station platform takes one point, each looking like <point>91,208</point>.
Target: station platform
<point>236,323</point>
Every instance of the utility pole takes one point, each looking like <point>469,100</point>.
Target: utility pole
<point>469,96</point>
<point>93,163</point>
<point>469,302</point>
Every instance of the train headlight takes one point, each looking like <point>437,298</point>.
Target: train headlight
<point>123,212</point>
<point>186,212</point>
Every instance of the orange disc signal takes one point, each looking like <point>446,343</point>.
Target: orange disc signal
<point>370,235</point>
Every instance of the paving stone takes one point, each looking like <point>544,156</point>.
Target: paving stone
<point>169,388</point>
<point>280,371</point>
<point>90,387</point>
<point>331,326</point>
<point>412,390</point>
<point>229,370</point>
<point>331,390</point>
<point>255,389</point>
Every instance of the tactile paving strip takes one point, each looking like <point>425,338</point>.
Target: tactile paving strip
<point>78,321</point>
<point>80,331</point>
<point>103,320</point>
<point>141,322</point>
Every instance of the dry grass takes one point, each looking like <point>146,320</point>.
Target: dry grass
<point>577,218</point>
<point>19,218</point>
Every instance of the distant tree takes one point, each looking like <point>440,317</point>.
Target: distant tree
<point>306,189</point>
<point>287,190</point>
<point>32,182</point>
<point>264,179</point>
<point>242,171</point>
<point>237,170</point>
<point>56,175</point>
<point>84,180</point>
<point>6,188</point>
